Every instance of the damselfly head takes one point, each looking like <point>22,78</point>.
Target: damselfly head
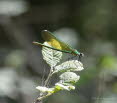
<point>81,55</point>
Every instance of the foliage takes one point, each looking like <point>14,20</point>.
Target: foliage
<point>67,78</point>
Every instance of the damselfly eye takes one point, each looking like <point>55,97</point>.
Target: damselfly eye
<point>81,55</point>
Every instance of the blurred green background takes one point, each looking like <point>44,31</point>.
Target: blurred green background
<point>87,25</point>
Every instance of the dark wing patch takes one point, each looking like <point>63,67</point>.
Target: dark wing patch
<point>48,36</point>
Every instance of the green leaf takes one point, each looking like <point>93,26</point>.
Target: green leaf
<point>60,86</point>
<point>44,89</point>
<point>72,65</point>
<point>52,57</point>
<point>69,77</point>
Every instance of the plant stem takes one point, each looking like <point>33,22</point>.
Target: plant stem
<point>49,75</point>
<point>42,97</point>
